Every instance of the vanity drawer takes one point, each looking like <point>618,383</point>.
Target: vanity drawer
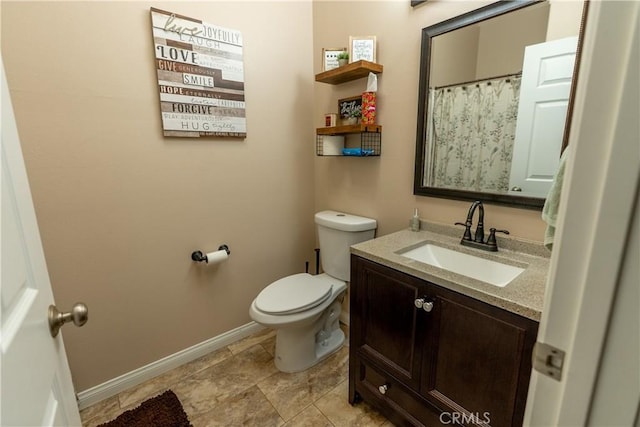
<point>398,403</point>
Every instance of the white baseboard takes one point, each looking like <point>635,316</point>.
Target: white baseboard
<point>116,385</point>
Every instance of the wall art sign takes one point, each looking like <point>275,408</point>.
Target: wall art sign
<point>350,107</point>
<point>362,47</point>
<point>330,57</point>
<point>200,77</point>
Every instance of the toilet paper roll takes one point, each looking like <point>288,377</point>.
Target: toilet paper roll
<point>217,256</point>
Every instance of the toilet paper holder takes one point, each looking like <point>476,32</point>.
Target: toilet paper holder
<point>200,256</point>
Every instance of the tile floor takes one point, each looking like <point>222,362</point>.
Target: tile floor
<point>240,385</point>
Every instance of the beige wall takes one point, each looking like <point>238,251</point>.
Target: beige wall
<point>454,56</point>
<point>564,19</point>
<point>487,49</point>
<point>382,187</point>
<point>121,208</point>
<point>503,39</point>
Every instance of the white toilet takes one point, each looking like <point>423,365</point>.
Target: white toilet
<point>305,309</point>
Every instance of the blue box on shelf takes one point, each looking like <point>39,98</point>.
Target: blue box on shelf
<point>361,152</point>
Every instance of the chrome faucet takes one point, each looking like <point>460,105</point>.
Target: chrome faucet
<point>478,239</point>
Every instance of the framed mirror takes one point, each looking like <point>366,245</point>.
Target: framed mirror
<point>495,97</point>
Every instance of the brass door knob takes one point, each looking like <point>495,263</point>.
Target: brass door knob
<point>79,315</point>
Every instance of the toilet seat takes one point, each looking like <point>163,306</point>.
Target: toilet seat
<point>293,294</point>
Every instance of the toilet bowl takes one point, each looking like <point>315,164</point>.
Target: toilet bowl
<point>307,326</point>
<point>305,309</point>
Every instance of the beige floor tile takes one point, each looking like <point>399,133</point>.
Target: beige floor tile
<point>100,419</point>
<point>335,406</point>
<point>270,345</point>
<point>201,391</point>
<point>240,385</point>
<point>251,340</point>
<point>248,408</point>
<point>100,412</point>
<point>154,386</point>
<point>291,393</point>
<point>345,329</point>
<point>205,361</point>
<point>309,417</point>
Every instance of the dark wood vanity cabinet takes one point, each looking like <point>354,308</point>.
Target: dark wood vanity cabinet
<point>463,362</point>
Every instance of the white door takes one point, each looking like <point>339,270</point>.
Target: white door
<point>587,273</point>
<point>542,110</point>
<point>36,381</point>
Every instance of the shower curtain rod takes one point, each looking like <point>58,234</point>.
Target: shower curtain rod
<point>518,74</point>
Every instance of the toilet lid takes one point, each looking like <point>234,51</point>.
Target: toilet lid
<point>293,294</point>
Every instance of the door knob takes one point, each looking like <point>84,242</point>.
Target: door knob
<point>516,188</point>
<point>383,388</point>
<point>79,315</point>
<point>419,302</point>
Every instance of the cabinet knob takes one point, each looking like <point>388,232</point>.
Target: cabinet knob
<point>383,388</point>
<point>423,304</point>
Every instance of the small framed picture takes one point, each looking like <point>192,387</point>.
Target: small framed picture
<point>362,47</point>
<point>350,107</point>
<point>330,57</point>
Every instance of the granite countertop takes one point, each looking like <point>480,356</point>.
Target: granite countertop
<point>523,296</point>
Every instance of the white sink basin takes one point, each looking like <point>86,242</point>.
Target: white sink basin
<point>492,272</point>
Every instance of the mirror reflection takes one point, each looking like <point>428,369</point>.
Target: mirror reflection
<point>495,101</point>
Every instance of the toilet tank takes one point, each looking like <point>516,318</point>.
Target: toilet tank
<point>337,231</point>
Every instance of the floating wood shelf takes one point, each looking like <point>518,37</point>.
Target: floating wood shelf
<point>342,130</point>
<point>355,70</point>
<point>370,135</point>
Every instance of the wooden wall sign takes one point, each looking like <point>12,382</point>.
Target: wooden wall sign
<point>200,77</point>
<point>350,107</point>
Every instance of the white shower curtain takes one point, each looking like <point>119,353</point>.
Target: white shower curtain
<point>472,133</point>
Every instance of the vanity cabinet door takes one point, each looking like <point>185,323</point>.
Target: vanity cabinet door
<point>457,362</point>
<point>477,360</point>
<point>384,321</point>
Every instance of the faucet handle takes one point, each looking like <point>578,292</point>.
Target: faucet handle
<point>467,230</point>
<point>494,231</point>
<point>479,233</point>
<point>491,240</point>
